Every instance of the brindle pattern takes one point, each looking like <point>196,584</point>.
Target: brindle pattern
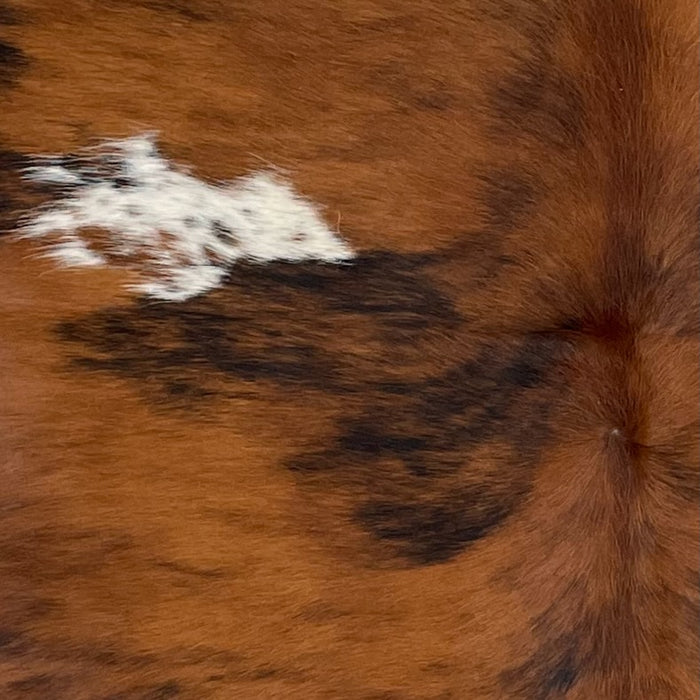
<point>474,471</point>
<point>430,425</point>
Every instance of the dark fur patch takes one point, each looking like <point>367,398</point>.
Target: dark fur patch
<point>171,689</point>
<point>9,16</point>
<point>167,9</point>
<point>509,196</point>
<point>7,638</point>
<point>279,324</point>
<point>432,428</point>
<point>424,423</point>
<point>540,100</point>
<point>436,530</point>
<point>548,674</point>
<point>245,331</point>
<point>42,683</point>
<point>10,187</point>
<point>12,60</point>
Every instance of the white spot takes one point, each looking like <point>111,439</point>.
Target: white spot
<point>180,234</point>
<point>52,174</point>
<point>74,253</point>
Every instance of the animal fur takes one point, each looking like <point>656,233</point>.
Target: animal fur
<point>463,465</point>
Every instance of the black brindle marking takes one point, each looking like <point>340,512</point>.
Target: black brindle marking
<point>277,324</point>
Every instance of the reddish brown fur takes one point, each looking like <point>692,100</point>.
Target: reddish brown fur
<point>469,469</point>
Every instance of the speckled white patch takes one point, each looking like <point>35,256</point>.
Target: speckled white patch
<point>180,234</point>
